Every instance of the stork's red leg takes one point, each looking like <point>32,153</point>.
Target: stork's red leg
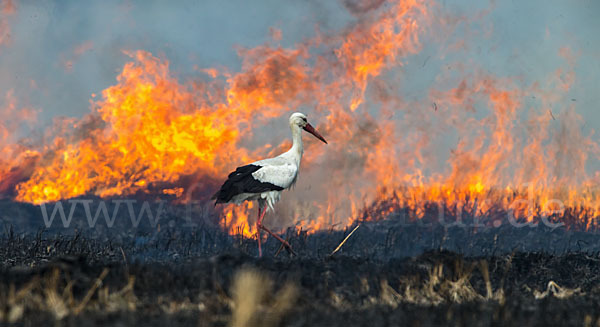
<point>261,215</point>
<point>259,226</point>
<point>284,242</point>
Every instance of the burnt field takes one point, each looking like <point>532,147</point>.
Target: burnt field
<point>437,162</point>
<point>391,272</point>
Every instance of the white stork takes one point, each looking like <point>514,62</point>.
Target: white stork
<point>264,180</point>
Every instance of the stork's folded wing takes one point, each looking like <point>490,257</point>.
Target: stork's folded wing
<point>283,175</point>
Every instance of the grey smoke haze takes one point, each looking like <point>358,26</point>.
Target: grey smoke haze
<point>523,40</point>
<point>62,52</point>
<point>69,50</point>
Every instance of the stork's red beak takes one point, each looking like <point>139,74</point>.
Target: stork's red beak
<point>308,127</point>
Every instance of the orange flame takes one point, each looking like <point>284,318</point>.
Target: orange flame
<point>149,131</point>
<point>15,158</point>
<point>7,8</point>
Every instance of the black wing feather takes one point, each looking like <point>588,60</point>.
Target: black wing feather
<point>242,181</point>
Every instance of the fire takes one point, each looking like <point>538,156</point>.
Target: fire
<point>15,158</point>
<point>370,47</point>
<point>151,129</point>
<point>7,9</point>
<point>476,142</point>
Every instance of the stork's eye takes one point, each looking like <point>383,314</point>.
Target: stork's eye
<point>306,121</point>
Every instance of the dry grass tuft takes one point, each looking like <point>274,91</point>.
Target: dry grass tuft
<point>555,290</point>
<point>253,302</point>
<point>439,288</point>
<point>53,294</point>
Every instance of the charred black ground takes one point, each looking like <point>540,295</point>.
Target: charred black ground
<point>391,272</point>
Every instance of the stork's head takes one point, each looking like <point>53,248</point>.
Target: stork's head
<point>299,119</point>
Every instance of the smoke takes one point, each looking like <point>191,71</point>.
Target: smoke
<point>408,93</point>
<point>7,9</point>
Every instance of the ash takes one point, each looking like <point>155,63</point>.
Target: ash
<point>389,272</point>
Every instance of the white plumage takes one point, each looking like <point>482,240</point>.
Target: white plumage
<point>281,171</point>
<point>264,180</point>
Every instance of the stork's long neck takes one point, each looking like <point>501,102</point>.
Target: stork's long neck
<point>297,147</point>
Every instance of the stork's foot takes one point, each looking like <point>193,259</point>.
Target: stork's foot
<point>284,242</point>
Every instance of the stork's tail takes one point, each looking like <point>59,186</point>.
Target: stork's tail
<point>217,198</point>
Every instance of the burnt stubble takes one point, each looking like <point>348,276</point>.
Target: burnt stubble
<point>389,272</point>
